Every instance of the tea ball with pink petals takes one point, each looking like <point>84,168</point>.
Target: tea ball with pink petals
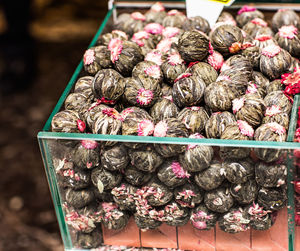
<point>75,178</point>
<point>174,18</point>
<point>263,41</point>
<point>256,27</point>
<point>114,158</point>
<point>144,40</point>
<point>275,85</point>
<point>246,14</point>
<point>146,222</point>
<point>136,177</point>
<point>123,196</point>
<point>274,61</point>
<point>172,66</point>
<point>148,69</point>
<point>261,82</point>
<point>175,214</point>
<point>196,23</point>
<point>245,193</point>
<point>67,121</point>
<point>79,198</point>
<point>105,38</point>
<point>285,17</point>
<point>272,198</point>
<point>275,114</point>
<point>130,23</point>
<point>278,98</point>
<point>77,102</point>
<point>156,13</point>
<point>204,70</point>
<point>156,30</point>
<point>93,112</point>
<point>260,219</point>
<point>189,195</point>
<point>172,174</point>
<point>202,218</point>
<point>105,180</point>
<point>218,200</point>
<point>253,54</point>
<point>164,108</point>
<point>113,217</point>
<point>154,56</point>
<point>188,90</point>
<point>288,38</point>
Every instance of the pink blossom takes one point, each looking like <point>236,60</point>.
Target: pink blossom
<point>115,46</point>
<point>275,127</point>
<point>259,22</point>
<point>154,28</point>
<point>288,31</point>
<point>138,16</point>
<point>182,76</point>
<point>89,57</point>
<point>164,45</point>
<point>216,60</point>
<point>153,71</point>
<point>144,97</point>
<point>175,59</point>
<point>89,144</point>
<point>271,50</point>
<point>154,56</point>
<point>157,7</point>
<point>160,129</point>
<point>252,88</point>
<point>237,104</point>
<point>245,128</point>
<point>81,125</point>
<point>273,110</point>
<point>263,38</point>
<point>169,32</point>
<point>246,8</point>
<point>145,128</point>
<point>179,171</point>
<point>174,12</point>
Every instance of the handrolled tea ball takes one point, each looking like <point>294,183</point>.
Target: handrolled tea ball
<point>280,99</point>
<point>105,38</point>
<point>172,67</point>
<point>253,54</point>
<point>145,159</point>
<point>113,217</point>
<point>246,14</point>
<point>211,178</point>
<point>188,195</point>
<point>261,83</point>
<point>194,118</point>
<point>105,180</point>
<point>67,121</point>
<point>107,85</point>
<point>240,130</point>
<point>205,71</point>
<point>238,171</point>
<point>172,174</point>
<point>175,215</point>
<point>136,177</point>
<point>269,132</point>
<point>76,178</point>
<point>148,69</point>
<point>90,240</point>
<point>86,155</point>
<point>249,108</point>
<point>174,18</point>
<point>79,198</point>
<point>96,58</point>
<point>130,23</point>
<point>285,17</point>
<point>218,200</point>
<point>218,96</point>
<point>270,175</point>
<point>196,158</point>
<point>164,108</point>
<point>227,39</point>
<point>159,193</point>
<point>166,90</point>
<point>260,219</point>
<point>275,85</point>
<point>156,13</point>
<point>244,193</point>
<point>238,62</point>
<point>272,198</point>
<point>274,61</point>
<point>226,17</point>
<point>124,196</point>
<point>156,30</point>
<point>288,38</point>
<point>136,121</point>
<point>202,218</point>
<point>235,221</point>
<point>217,123</point>
<point>114,158</point>
<point>253,89</point>
<point>77,102</point>
<point>93,112</point>
<point>188,90</point>
<point>193,46</point>
<point>256,27</point>
<point>263,41</point>
<point>196,23</point>
<point>84,86</point>
<point>144,40</point>
<point>145,222</point>
<point>170,128</point>
<point>124,55</point>
<point>275,114</point>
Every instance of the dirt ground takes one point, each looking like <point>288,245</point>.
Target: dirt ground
<point>62,30</point>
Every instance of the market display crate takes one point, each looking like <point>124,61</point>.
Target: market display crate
<point>59,151</point>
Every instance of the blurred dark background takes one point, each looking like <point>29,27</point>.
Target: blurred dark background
<point>41,43</point>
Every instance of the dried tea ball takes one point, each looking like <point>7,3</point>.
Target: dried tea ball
<point>188,90</point>
<point>148,69</point>
<point>269,132</point>
<point>84,86</point>
<point>96,58</point>
<point>270,175</point>
<point>145,159</point>
<point>145,222</point>
<point>172,174</point>
<point>114,158</point>
<point>212,177</point>
<point>194,118</point>
<point>272,198</point>
<point>164,108</point>
<point>170,128</point>
<point>288,38</point>
<point>158,193</point>
<point>175,215</point>
<point>124,196</point>
<point>278,98</point>
<point>260,219</point>
<point>93,112</point>
<point>90,240</point>
<point>124,55</point>
<point>202,218</point>
<point>226,17</point>
<point>130,23</point>
<point>285,17</point>
<point>249,108</point>
<point>263,41</point>
<point>77,102</point>
<point>156,13</point>
<point>188,195</point>
<point>227,39</point>
<point>113,217</point>
<point>261,83</point>
<point>275,85</point>
<point>238,171</point>
<point>105,38</point>
<point>240,130</point>
<point>193,46</point>
<point>218,96</point>
<point>105,180</point>
<point>235,221</point>
<point>196,157</point>
<point>76,178</point>
<point>107,85</point>
<point>246,192</point>
<point>144,40</point>
<point>172,66</point>
<point>79,198</point>
<point>196,23</point>
<point>238,62</point>
<point>256,27</point>
<point>86,155</point>
<point>205,71</point>
<point>136,177</point>
<point>67,121</point>
<point>218,200</point>
<point>217,123</point>
<point>246,14</point>
<point>253,54</point>
<point>275,114</point>
<point>274,61</point>
<point>174,18</point>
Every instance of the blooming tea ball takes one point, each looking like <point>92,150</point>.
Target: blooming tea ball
<point>196,23</point>
<point>288,38</point>
<point>202,218</point>
<point>105,180</point>
<point>105,38</point>
<point>253,54</point>
<point>275,85</point>
<point>113,217</point>
<point>260,219</point>
<point>188,195</point>
<point>158,193</point>
<point>84,86</point>
<point>145,222</point>
<point>114,158</point>
<point>86,155</point>
<point>205,71</point>
<point>148,68</point>
<point>256,27</point>
<point>263,41</point>
<point>156,13</point>
<point>77,102</point>
<point>175,215</point>
<point>246,14</point>
<point>272,198</point>
<point>130,23</point>
<point>174,18</point>
<point>136,177</point>
<point>123,195</point>
<point>279,99</point>
<point>67,121</point>
<point>275,114</point>
<point>261,82</point>
<point>218,200</point>
<point>244,193</point>
<point>79,198</point>
<point>89,240</point>
<point>285,17</point>
<point>172,66</point>
<point>164,108</point>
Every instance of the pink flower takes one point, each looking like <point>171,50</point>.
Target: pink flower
<point>252,88</point>
<point>179,171</point>
<point>259,22</point>
<point>245,128</point>
<point>81,125</point>
<point>237,104</point>
<point>154,56</point>
<point>271,50</point>
<point>115,46</point>
<point>290,78</point>
<point>216,60</point>
<point>174,12</point>
<point>170,32</point>
<point>153,71</point>
<point>138,16</point>
<point>145,128</point>
<point>89,144</point>
<point>157,7</point>
<point>160,129</point>
<point>144,97</point>
<point>154,28</point>
<point>263,38</point>
<point>182,76</point>
<point>275,127</point>
<point>246,8</point>
<point>175,59</point>
<point>164,45</point>
<point>288,31</point>
<point>89,57</point>
<point>235,47</point>
<point>272,110</point>
<point>199,224</point>
<point>111,112</point>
